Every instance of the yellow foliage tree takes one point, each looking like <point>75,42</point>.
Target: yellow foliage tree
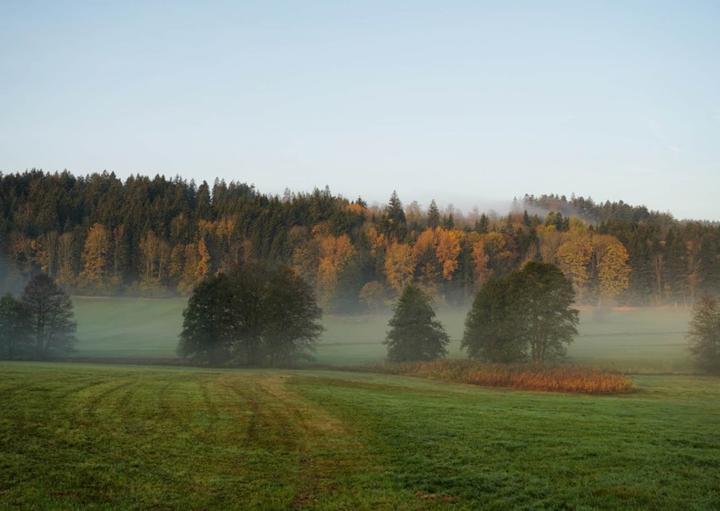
<point>66,259</point>
<point>481,269</point>
<point>151,248</point>
<point>399,265</point>
<point>96,256</point>
<point>574,257</point>
<point>203,260</point>
<point>613,269</point>
<point>448,250</point>
<point>425,259</point>
<point>335,254</point>
<point>550,241</point>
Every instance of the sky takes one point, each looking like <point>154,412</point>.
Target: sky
<point>468,102</point>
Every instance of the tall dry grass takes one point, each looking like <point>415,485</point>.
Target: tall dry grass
<point>553,378</point>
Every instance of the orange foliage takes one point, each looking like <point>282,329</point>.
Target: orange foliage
<point>448,250</point>
<point>335,253</point>
<point>558,378</point>
<point>376,240</point>
<point>425,243</point>
<point>480,262</point>
<point>356,208</point>
<point>399,265</point>
<point>442,245</point>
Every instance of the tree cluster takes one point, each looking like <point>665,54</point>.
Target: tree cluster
<point>254,315</point>
<point>525,315</point>
<point>152,236</point>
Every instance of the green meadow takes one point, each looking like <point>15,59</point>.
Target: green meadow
<point>116,436</point>
<point>81,436</point>
<point>634,340</point>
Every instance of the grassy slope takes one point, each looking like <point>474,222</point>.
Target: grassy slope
<point>638,340</point>
<point>173,438</point>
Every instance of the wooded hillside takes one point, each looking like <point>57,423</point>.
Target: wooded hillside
<point>154,236</point>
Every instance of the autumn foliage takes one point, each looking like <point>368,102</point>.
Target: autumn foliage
<point>550,378</point>
<point>155,236</point>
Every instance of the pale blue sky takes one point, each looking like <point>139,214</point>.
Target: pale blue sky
<point>468,102</point>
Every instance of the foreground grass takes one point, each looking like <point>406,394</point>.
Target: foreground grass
<point>121,437</point>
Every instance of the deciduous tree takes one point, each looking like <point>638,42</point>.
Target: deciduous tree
<point>399,265</point>
<point>492,332</point>
<point>96,257</point>
<point>527,313</point>
<point>256,315</point>
<point>51,317</point>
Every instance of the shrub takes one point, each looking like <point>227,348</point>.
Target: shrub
<point>553,378</point>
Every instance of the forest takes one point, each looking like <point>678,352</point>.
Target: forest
<point>101,235</point>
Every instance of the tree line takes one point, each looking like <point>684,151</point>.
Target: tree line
<point>260,314</point>
<point>99,234</point>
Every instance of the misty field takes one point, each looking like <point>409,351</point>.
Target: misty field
<point>633,340</point>
<point>109,437</point>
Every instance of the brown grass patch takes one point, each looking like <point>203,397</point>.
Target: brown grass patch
<point>553,378</point>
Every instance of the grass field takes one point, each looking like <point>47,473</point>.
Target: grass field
<point>83,436</point>
<point>121,437</point>
<point>639,340</point>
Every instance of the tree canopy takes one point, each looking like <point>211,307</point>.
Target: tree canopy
<point>491,331</point>
<point>526,314</point>
<point>255,315</point>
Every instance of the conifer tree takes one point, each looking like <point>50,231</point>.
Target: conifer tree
<point>394,223</point>
<point>433,218</point>
<point>415,334</point>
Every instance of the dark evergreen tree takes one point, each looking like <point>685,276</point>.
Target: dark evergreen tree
<point>394,223</point>
<point>482,225</point>
<point>414,333</point>
<point>433,217</point>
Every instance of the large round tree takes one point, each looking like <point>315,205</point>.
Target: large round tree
<point>414,333</point>
<point>527,314</point>
<point>255,315</point>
